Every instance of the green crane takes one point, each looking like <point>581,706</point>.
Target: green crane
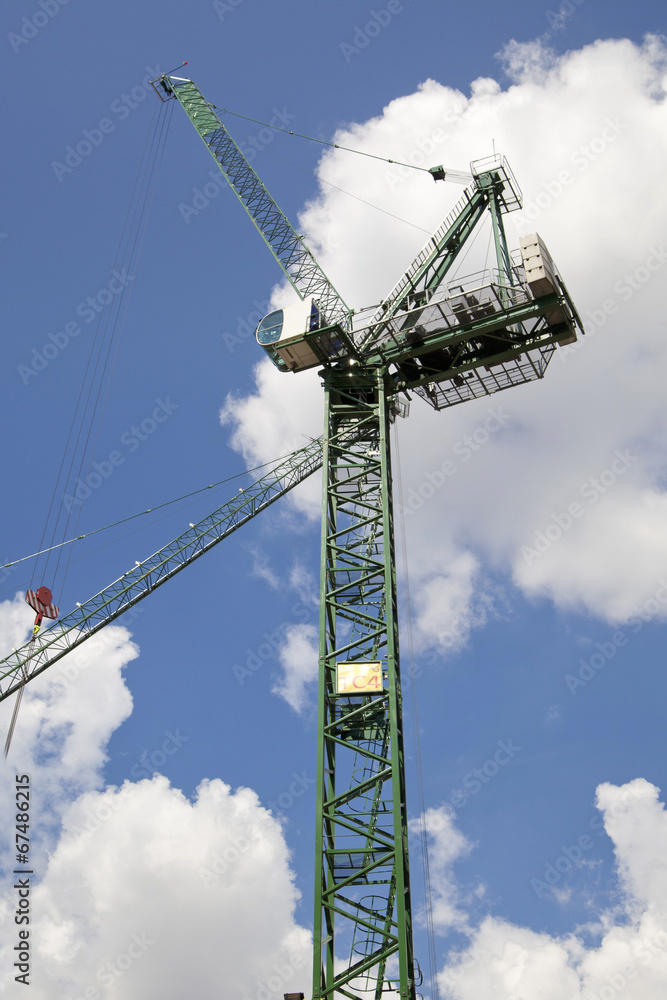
<point>448,343</point>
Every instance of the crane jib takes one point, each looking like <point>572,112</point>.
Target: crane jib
<point>88,618</point>
<point>288,248</point>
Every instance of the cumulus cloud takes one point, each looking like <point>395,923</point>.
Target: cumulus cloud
<point>161,894</point>
<point>628,952</point>
<point>137,890</point>
<point>446,846</point>
<point>565,496</point>
<point>298,658</point>
<point>447,605</point>
<point>277,419</point>
<point>67,716</point>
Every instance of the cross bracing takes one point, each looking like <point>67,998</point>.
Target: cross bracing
<point>362,900</point>
<point>87,619</point>
<point>289,249</point>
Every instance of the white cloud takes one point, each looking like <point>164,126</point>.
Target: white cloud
<point>15,619</point>
<point>299,659</point>
<point>629,954</point>
<point>279,418</point>
<point>636,821</point>
<point>138,891</point>
<point>446,846</point>
<point>182,889</point>
<point>586,134</point>
<point>446,606</point>
<point>262,569</point>
<point>305,585</point>
<point>66,718</point>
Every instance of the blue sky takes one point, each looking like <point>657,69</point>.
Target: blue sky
<point>498,627</point>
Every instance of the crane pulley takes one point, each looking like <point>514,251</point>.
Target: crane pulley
<point>41,601</point>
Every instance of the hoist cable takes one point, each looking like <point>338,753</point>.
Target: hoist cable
<point>149,510</point>
<point>79,413</point>
<point>348,193</point>
<point>87,368</point>
<point>460,261</point>
<point>137,235</point>
<point>461,175</point>
<point>113,316</point>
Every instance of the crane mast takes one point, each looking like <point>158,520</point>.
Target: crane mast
<point>362,881</point>
<point>362,884</point>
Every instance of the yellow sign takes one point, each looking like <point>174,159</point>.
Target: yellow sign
<point>358,677</point>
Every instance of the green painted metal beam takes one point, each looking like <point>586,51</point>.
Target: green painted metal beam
<point>288,248</point>
<point>362,884</point>
<point>87,619</point>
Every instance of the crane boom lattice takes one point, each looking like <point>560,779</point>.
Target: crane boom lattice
<point>289,249</point>
<point>32,659</point>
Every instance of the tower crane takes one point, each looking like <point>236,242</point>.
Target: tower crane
<point>448,343</point>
